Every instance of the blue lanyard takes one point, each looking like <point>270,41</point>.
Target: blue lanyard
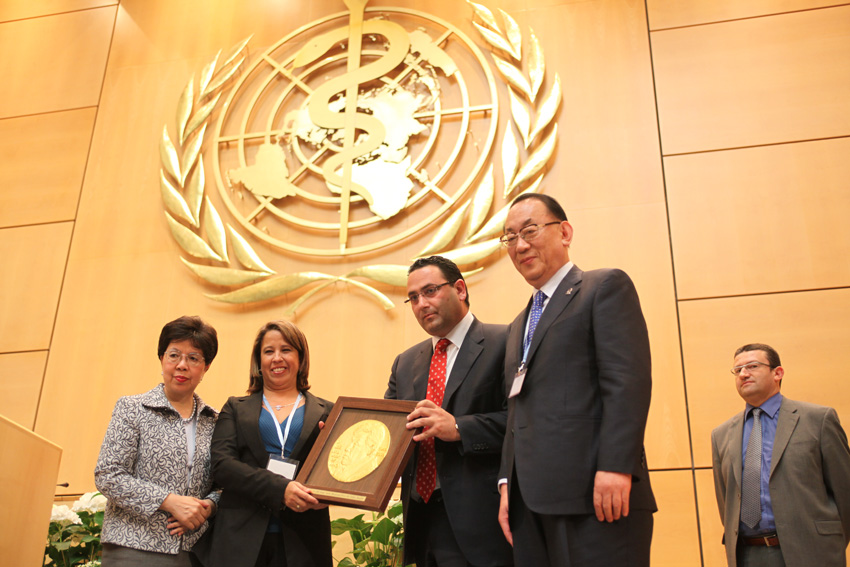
<point>285,435</point>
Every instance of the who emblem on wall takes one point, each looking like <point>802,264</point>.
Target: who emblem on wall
<point>349,136</point>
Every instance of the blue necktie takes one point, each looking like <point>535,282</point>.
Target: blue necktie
<point>536,311</point>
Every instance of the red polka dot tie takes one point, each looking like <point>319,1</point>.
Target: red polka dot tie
<point>426,464</point>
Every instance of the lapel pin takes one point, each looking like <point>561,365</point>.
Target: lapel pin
<point>570,291</point>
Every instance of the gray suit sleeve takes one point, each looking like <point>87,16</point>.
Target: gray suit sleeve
<point>719,480</point>
<point>836,466</point>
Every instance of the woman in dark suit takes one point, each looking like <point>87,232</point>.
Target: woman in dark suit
<point>265,517</point>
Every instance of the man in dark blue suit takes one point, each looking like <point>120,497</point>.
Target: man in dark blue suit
<point>449,490</point>
<point>574,481</point>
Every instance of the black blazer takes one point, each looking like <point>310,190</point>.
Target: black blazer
<point>584,403</point>
<point>467,469</point>
<point>251,494</point>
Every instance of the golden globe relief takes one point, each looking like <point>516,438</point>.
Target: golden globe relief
<point>228,257</point>
<point>359,450</point>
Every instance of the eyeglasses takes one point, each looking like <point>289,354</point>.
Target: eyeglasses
<point>527,233</point>
<point>192,358</point>
<point>749,367</point>
<point>428,293</point>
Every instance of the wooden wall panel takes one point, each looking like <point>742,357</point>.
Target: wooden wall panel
<point>21,375</point>
<point>808,329</point>
<point>21,9</point>
<point>751,82</point>
<point>711,529</point>
<point>58,64</point>
<point>675,13</point>
<point>607,237</point>
<point>154,31</point>
<point>33,193</point>
<point>33,266</point>
<point>608,143</point>
<point>675,538</point>
<point>760,220</point>
<point>28,467</point>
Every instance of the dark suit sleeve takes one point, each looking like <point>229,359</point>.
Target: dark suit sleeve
<point>624,370</point>
<point>229,453</point>
<point>392,391</point>
<point>482,433</point>
<point>836,466</point>
<point>510,367</point>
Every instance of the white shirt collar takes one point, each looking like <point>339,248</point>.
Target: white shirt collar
<point>550,286</point>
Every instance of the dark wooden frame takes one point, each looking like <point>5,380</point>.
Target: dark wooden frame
<point>374,490</point>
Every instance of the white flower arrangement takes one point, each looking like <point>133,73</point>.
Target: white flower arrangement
<point>91,502</point>
<point>64,516</point>
<point>73,537</point>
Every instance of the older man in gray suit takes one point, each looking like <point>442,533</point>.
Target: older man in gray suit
<point>781,473</point>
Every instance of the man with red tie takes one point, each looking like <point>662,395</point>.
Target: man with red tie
<point>449,488</point>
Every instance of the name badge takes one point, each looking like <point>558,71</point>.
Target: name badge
<point>519,378</point>
<point>283,466</point>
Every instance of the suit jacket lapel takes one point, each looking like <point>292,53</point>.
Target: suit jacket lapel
<point>564,294</point>
<point>470,350</point>
<point>788,418</point>
<point>421,368</point>
<point>249,418</point>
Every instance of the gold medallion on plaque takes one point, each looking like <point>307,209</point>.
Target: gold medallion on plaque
<point>359,450</point>
<point>351,137</point>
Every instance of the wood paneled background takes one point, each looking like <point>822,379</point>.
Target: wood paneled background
<point>703,148</point>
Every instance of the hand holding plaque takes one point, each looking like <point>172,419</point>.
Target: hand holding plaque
<point>360,453</point>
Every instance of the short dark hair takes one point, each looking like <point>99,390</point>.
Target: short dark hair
<point>296,339</point>
<point>448,268</point>
<point>202,335</point>
<point>550,203</point>
<point>772,355</point>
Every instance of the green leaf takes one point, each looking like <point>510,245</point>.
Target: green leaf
<point>384,530</point>
<point>395,510</point>
<point>358,537</point>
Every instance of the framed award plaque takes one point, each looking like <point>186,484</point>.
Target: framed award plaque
<point>360,453</point>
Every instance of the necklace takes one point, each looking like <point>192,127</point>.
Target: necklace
<point>194,408</point>
<point>278,408</point>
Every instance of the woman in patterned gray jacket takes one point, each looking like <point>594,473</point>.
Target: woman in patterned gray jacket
<point>154,464</point>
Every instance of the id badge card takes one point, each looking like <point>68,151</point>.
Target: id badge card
<point>519,378</point>
<point>283,466</point>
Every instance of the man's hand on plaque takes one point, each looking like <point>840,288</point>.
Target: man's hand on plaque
<point>435,421</point>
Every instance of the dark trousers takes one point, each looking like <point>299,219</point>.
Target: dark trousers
<point>434,543</point>
<point>272,551</point>
<point>543,540</point>
<point>759,556</point>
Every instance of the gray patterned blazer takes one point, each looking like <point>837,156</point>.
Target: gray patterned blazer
<point>143,460</point>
